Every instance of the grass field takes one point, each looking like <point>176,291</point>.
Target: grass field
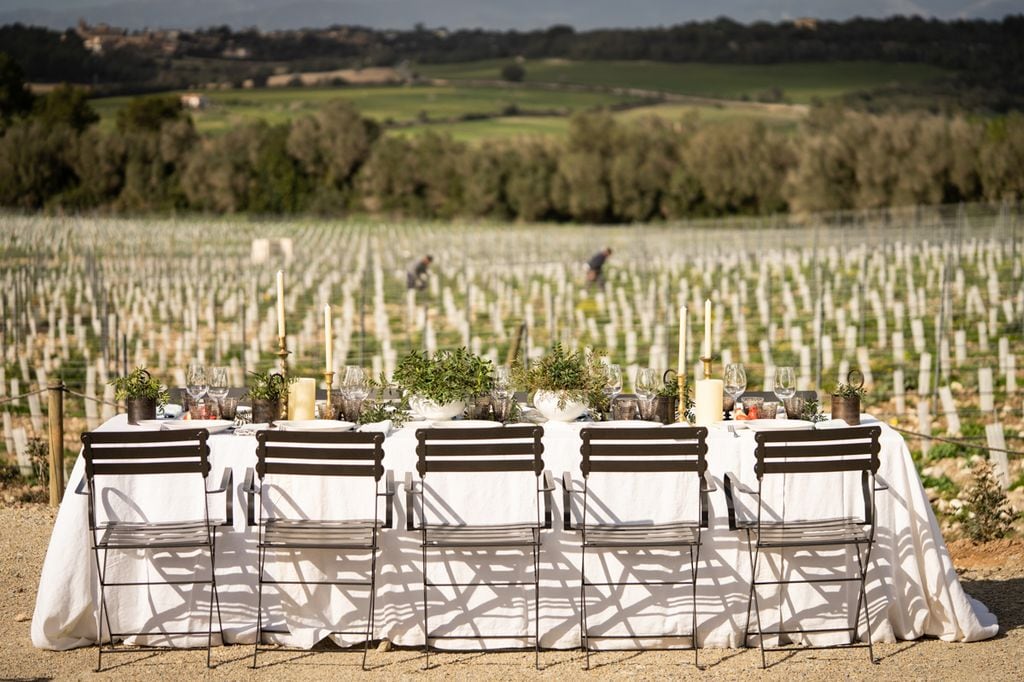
<point>400,104</point>
<point>800,83</point>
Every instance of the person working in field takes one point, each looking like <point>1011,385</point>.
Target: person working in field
<point>595,267</point>
<point>416,274</point>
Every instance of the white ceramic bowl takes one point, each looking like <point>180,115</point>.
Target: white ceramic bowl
<point>546,403</point>
<point>430,410</point>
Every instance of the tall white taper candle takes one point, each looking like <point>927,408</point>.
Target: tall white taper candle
<point>707,328</point>
<point>280,303</point>
<point>328,341</point>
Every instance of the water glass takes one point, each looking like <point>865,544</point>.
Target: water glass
<point>624,409</point>
<point>785,382</point>
<point>770,409</point>
<point>794,407</point>
<point>754,405</point>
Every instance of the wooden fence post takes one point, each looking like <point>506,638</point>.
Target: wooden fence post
<point>56,417</point>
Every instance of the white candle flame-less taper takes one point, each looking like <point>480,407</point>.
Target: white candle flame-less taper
<point>280,303</point>
<point>707,328</point>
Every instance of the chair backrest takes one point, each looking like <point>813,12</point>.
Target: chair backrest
<point>501,448</point>
<point>124,453</point>
<point>644,449</point>
<point>320,453</point>
<point>818,451</point>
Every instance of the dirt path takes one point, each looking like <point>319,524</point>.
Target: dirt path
<point>993,573</point>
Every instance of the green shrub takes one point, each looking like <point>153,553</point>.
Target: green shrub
<point>987,514</point>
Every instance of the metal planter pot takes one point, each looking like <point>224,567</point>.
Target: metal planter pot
<point>847,409</point>
<point>266,411</point>
<point>140,409</point>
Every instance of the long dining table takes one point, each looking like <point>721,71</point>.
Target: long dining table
<point>912,588</point>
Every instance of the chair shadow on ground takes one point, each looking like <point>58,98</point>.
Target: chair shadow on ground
<point>998,596</point>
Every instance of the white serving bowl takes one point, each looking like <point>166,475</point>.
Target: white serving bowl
<point>431,411</point>
<point>546,403</point>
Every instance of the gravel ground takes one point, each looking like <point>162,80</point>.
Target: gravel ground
<point>993,573</point>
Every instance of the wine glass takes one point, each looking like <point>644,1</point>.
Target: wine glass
<point>613,380</point>
<point>196,382</point>
<point>355,382</point>
<point>785,383</point>
<point>735,380</point>
<point>646,386</point>
<point>218,386</point>
<point>501,392</point>
<point>502,387</point>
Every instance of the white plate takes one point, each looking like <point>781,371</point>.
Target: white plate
<point>466,424</point>
<point>627,424</point>
<point>756,425</point>
<point>211,425</point>
<point>314,425</point>
<point>151,424</point>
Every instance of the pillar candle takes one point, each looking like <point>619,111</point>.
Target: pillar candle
<point>707,328</point>
<point>681,365</point>
<point>328,341</point>
<point>280,303</point>
<point>708,409</point>
<point>302,399</point>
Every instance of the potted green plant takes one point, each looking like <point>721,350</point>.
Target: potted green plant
<point>141,394</point>
<point>267,391</point>
<point>565,383</point>
<point>666,400</point>
<point>846,398</point>
<point>438,386</point>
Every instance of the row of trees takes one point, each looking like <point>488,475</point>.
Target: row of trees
<point>335,162</point>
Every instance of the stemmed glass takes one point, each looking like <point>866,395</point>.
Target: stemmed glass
<point>501,392</point>
<point>735,380</point>
<point>354,389</point>
<point>646,386</point>
<point>785,384</point>
<point>218,388</point>
<point>196,382</point>
<point>613,382</point>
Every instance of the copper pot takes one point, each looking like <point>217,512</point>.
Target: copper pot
<point>846,408</point>
<point>265,411</point>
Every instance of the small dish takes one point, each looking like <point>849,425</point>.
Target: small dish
<point>332,425</point>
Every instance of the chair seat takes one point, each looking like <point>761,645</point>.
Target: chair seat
<point>503,535</point>
<point>651,535</point>
<point>845,531</point>
<point>302,533</point>
<point>132,535</point>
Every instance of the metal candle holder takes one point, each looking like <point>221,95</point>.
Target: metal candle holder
<point>282,354</point>
<point>329,380</point>
<point>707,367</point>
<point>681,404</point>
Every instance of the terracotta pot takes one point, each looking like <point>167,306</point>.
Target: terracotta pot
<point>265,411</point>
<point>847,409</point>
<point>140,408</point>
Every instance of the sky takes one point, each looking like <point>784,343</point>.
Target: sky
<point>492,14</point>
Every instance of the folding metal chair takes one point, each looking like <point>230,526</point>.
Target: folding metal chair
<point>810,452</point>
<point>480,450</point>
<point>297,453</point>
<point>640,450</point>
<point>150,453</point>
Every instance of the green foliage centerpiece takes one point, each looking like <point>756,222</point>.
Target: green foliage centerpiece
<point>267,390</point>
<point>565,383</point>
<point>438,386</point>
<point>846,398</point>
<point>141,394</point>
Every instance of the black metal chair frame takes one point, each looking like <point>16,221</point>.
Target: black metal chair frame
<point>631,450</point>
<point>350,454</point>
<point>119,453</point>
<point>815,451</point>
<point>481,454</point>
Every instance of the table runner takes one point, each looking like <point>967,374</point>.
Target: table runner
<point>913,589</point>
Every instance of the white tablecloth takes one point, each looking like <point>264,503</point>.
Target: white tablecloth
<point>913,588</point>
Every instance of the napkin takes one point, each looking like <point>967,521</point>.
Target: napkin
<point>250,429</point>
<point>384,427</point>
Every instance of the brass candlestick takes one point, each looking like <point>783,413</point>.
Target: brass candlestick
<point>329,380</point>
<point>681,409</point>
<point>707,367</point>
<point>282,355</point>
